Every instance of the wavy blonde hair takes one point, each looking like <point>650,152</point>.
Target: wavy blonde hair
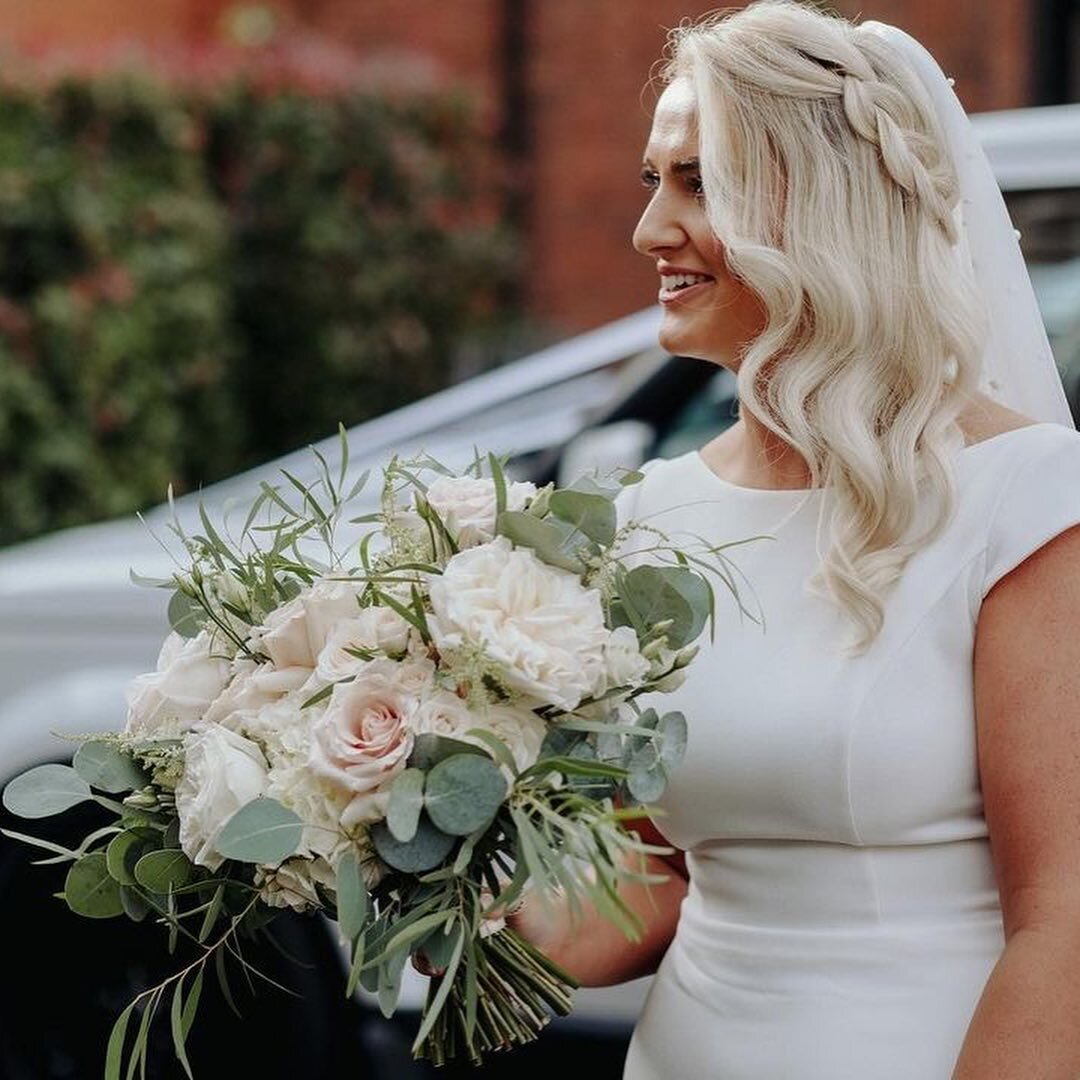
<point>828,184</point>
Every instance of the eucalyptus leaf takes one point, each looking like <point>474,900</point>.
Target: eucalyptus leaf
<point>426,850</point>
<point>135,906</point>
<point>90,890</point>
<point>659,593</point>
<point>429,750</point>
<point>165,870</point>
<point>352,897</point>
<point>45,790</point>
<point>672,727</point>
<point>263,831</point>
<point>123,853</point>
<point>438,946</point>
<point>592,514</point>
<point>103,765</point>
<point>552,543</point>
<point>389,987</point>
<point>406,802</point>
<point>185,616</point>
<point>463,792</point>
<point>646,782</point>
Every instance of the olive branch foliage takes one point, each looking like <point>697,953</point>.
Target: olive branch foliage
<point>460,843</point>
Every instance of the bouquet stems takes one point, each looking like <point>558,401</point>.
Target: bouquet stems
<point>517,989</point>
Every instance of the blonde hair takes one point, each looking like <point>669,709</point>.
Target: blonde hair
<point>827,181</point>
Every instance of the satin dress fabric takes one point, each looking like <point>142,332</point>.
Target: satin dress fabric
<point>842,916</point>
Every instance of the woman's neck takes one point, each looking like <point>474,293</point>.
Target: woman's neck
<point>751,455</point>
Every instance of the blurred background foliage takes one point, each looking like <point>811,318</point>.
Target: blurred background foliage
<point>193,281</point>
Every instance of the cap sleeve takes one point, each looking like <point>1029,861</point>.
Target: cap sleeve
<point>1039,500</point>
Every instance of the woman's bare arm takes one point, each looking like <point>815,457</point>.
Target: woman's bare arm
<point>1027,698</point>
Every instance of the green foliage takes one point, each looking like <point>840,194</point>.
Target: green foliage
<point>193,282</point>
<point>45,790</point>
<point>263,831</point>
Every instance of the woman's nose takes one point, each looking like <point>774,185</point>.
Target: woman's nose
<point>657,229</point>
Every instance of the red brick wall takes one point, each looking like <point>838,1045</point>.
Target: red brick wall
<point>587,65</point>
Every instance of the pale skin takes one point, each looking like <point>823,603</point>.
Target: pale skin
<point>1026,1025</point>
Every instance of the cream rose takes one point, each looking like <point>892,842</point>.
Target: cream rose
<point>375,629</point>
<point>624,664</point>
<point>537,623</point>
<point>466,506</point>
<point>296,633</point>
<point>165,703</point>
<point>253,687</point>
<point>362,740</point>
<point>444,713</point>
<point>223,771</point>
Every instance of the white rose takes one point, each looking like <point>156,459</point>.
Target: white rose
<point>223,771</point>
<point>374,629</point>
<point>539,624</point>
<point>295,633</point>
<point>466,506</point>
<point>624,663</point>
<point>167,702</point>
<point>253,686</point>
<point>362,740</point>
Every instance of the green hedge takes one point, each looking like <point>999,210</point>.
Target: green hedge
<point>195,282</point>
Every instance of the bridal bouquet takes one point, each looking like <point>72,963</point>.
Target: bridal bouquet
<point>399,732</point>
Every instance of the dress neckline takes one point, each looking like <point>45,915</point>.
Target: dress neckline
<point>786,493</point>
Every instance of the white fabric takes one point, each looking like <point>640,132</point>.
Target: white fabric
<point>842,916</point>
<point>1018,367</point>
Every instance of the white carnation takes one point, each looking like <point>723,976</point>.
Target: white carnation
<point>543,629</point>
<point>625,666</point>
<point>166,703</point>
<point>223,771</point>
<point>466,505</point>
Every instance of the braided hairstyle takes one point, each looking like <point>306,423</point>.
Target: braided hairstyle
<point>828,185</point>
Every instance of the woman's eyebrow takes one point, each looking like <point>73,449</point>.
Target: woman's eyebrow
<point>678,167</point>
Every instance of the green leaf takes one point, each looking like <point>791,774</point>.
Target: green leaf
<point>426,850</point>
<point>659,593</point>
<point>263,831</point>
<point>45,790</point>
<point>406,802</point>
<point>90,890</point>
<point>163,871</point>
<point>192,1004</point>
<point>176,1016</point>
<point>135,906</point>
<point>105,766</point>
<point>213,911</point>
<point>553,541</point>
<point>428,750</point>
<point>672,728</point>
<point>593,515</point>
<point>123,853</point>
<point>463,792</point>
<point>114,1052</point>
<point>186,617</point>
<point>390,981</point>
<point>352,897</point>
<point>647,777</point>
<point>439,944</point>
<point>499,750</point>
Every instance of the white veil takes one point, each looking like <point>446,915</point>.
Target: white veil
<point>1018,368</point>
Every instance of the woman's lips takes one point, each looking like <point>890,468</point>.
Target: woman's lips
<point>672,296</point>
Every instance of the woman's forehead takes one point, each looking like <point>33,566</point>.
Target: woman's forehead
<point>674,126</point>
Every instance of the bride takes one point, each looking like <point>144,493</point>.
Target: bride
<point>878,815</point>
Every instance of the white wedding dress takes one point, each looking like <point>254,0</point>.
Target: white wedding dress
<point>842,916</point>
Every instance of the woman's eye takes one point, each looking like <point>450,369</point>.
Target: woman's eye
<point>695,185</point>
<point>649,180</point>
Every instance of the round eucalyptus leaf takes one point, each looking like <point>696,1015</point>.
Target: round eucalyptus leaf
<point>659,593</point>
<point>440,944</point>
<point>263,831</point>
<point>45,790</point>
<point>406,802</point>
<point>105,766</point>
<point>426,850</point>
<point>464,792</point>
<point>672,728</point>
<point>592,514</point>
<point>162,871</point>
<point>135,907</point>
<point>552,540</point>
<point>90,890</point>
<point>185,616</point>
<point>352,897</point>
<point>647,784</point>
<point>429,750</point>
<point>124,851</point>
